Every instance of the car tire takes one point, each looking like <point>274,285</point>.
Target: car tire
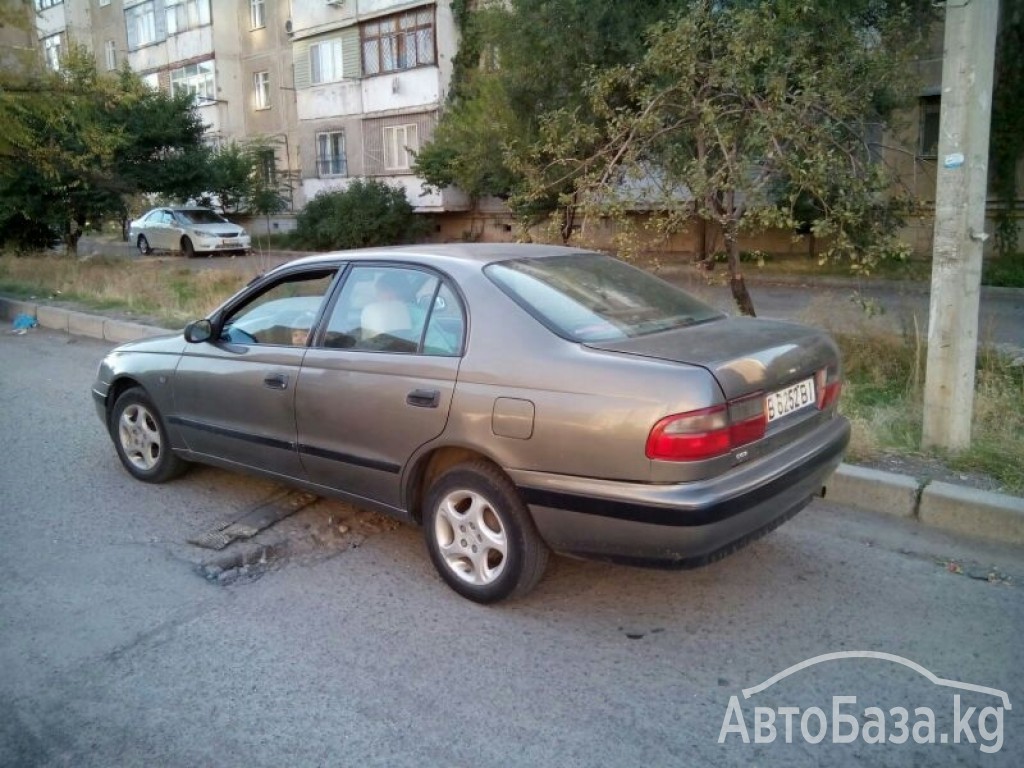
<point>141,439</point>
<point>187,249</point>
<point>143,245</point>
<point>480,535</point>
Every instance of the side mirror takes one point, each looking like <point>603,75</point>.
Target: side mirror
<point>198,331</point>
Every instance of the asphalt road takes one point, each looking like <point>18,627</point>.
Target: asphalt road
<point>116,652</point>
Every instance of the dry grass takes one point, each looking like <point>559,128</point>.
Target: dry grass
<point>156,291</point>
<point>883,397</point>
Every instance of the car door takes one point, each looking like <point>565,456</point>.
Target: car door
<point>235,395</point>
<point>378,381</point>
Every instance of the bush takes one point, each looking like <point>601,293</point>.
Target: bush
<point>367,213</point>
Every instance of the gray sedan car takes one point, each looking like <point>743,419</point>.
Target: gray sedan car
<point>511,399</point>
<point>188,230</point>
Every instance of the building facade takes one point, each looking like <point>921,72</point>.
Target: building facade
<point>341,89</point>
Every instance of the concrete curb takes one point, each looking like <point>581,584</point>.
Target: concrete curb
<point>954,508</point>
<point>949,507</point>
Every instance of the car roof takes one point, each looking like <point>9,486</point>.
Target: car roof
<point>480,253</point>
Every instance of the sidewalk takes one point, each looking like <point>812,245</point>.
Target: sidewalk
<point>954,508</point>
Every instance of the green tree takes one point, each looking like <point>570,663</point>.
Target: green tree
<point>747,114</point>
<point>519,60</point>
<point>78,143</point>
<point>367,213</point>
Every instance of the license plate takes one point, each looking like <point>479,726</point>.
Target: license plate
<point>230,241</point>
<point>785,401</point>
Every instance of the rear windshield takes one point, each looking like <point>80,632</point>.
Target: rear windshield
<point>591,297</point>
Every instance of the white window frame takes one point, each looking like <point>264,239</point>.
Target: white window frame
<point>42,5</point>
<point>261,89</point>
<point>198,79</point>
<point>257,14</point>
<point>110,52</point>
<point>141,19</point>
<point>52,48</point>
<point>104,3</point>
<point>330,154</point>
<point>325,61</point>
<point>183,15</point>
<point>400,141</point>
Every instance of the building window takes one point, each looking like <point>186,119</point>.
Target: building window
<point>398,42</point>
<point>257,14</point>
<point>267,167</point>
<point>110,51</point>
<point>42,5</point>
<point>929,144</point>
<point>140,23</point>
<point>104,3</point>
<point>261,89</point>
<point>330,154</point>
<point>151,81</point>
<point>51,51</point>
<point>400,141</point>
<point>196,79</point>
<point>325,61</point>
<point>183,15</point>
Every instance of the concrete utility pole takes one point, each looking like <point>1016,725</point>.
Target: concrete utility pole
<point>961,186</point>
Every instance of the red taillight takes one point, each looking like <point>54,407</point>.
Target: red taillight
<point>829,385</point>
<point>832,390</point>
<point>708,432</point>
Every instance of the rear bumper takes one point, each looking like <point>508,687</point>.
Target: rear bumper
<point>685,524</point>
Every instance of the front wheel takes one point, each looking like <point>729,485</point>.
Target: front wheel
<point>187,248</point>
<point>480,536</point>
<point>141,439</point>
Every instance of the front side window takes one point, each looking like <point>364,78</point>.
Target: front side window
<point>197,79</point>
<point>183,15</point>
<point>325,61</point>
<point>282,314</point>
<point>261,90</point>
<point>590,297</point>
<point>140,23</point>
<point>257,14</point>
<point>400,142</point>
<point>51,51</point>
<point>330,154</point>
<point>395,309</point>
<point>398,42</point>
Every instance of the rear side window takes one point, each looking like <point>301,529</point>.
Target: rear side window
<point>590,297</point>
<point>385,308</point>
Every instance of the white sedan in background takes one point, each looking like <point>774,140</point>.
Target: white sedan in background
<point>187,230</point>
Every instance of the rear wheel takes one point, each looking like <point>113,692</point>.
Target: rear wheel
<point>187,248</point>
<point>141,439</point>
<point>480,536</point>
<point>143,245</point>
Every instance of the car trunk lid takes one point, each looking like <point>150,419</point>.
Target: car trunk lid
<point>745,355</point>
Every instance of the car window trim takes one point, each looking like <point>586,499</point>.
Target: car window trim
<point>442,279</point>
<point>263,283</point>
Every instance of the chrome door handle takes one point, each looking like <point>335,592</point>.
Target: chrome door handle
<point>276,380</point>
<point>424,398</point>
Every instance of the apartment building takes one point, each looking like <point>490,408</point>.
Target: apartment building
<point>342,88</point>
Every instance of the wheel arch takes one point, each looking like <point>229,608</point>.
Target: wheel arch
<point>431,465</point>
<point>118,387</point>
